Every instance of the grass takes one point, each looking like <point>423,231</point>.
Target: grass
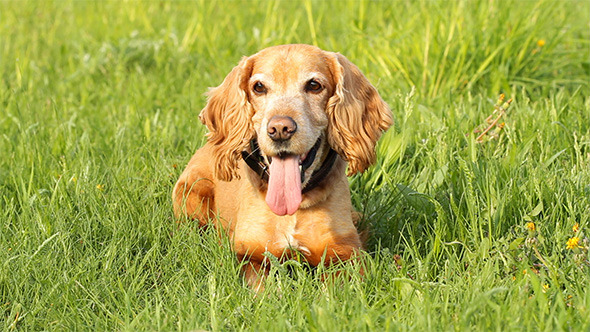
<point>98,116</point>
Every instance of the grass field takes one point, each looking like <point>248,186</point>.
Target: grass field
<point>98,117</point>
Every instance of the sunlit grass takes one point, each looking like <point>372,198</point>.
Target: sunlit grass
<point>98,116</point>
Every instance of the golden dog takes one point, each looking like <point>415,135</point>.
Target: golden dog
<point>283,126</point>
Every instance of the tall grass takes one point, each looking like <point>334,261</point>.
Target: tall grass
<point>98,116</point>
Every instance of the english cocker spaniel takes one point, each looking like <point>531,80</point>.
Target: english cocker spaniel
<point>283,127</point>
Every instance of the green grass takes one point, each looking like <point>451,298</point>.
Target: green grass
<point>98,116</point>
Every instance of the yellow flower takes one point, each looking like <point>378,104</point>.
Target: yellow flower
<point>100,187</point>
<point>576,227</point>
<point>541,42</point>
<point>573,243</point>
<point>530,226</point>
<point>545,287</point>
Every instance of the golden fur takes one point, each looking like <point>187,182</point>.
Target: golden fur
<point>347,115</point>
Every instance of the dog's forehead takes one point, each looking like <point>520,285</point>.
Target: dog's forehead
<point>290,63</point>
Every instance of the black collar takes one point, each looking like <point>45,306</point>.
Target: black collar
<point>256,162</point>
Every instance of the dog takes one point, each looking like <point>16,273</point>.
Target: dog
<point>286,127</point>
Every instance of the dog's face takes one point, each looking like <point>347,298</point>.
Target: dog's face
<point>297,101</point>
<point>289,92</point>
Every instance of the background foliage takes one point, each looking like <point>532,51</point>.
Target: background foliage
<point>98,116</point>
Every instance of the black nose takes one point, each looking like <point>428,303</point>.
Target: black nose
<point>281,128</point>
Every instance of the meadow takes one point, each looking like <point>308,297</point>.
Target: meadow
<point>468,229</point>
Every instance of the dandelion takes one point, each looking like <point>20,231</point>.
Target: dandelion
<point>545,288</point>
<point>541,42</point>
<point>576,227</point>
<point>531,240</point>
<point>573,243</point>
<point>100,187</point>
<point>530,226</point>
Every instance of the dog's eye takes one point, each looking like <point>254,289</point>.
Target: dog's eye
<point>313,86</point>
<point>259,88</point>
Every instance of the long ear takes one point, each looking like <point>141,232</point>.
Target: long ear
<point>228,116</point>
<point>358,115</point>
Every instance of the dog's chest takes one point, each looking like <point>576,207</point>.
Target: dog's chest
<point>285,236</point>
<point>270,233</point>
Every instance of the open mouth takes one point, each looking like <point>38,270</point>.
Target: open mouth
<point>286,173</point>
<point>305,160</point>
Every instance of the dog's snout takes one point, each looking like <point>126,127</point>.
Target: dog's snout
<point>281,128</point>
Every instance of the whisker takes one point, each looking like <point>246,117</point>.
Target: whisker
<point>257,149</point>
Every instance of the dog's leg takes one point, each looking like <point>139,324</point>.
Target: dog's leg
<point>194,193</point>
<point>193,197</point>
<point>328,245</point>
<point>254,274</point>
<point>335,255</point>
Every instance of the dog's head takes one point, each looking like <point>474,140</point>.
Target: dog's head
<point>296,101</point>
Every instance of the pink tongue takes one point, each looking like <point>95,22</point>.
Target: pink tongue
<point>284,185</point>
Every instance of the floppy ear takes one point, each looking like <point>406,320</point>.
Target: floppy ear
<point>228,116</point>
<point>357,115</point>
